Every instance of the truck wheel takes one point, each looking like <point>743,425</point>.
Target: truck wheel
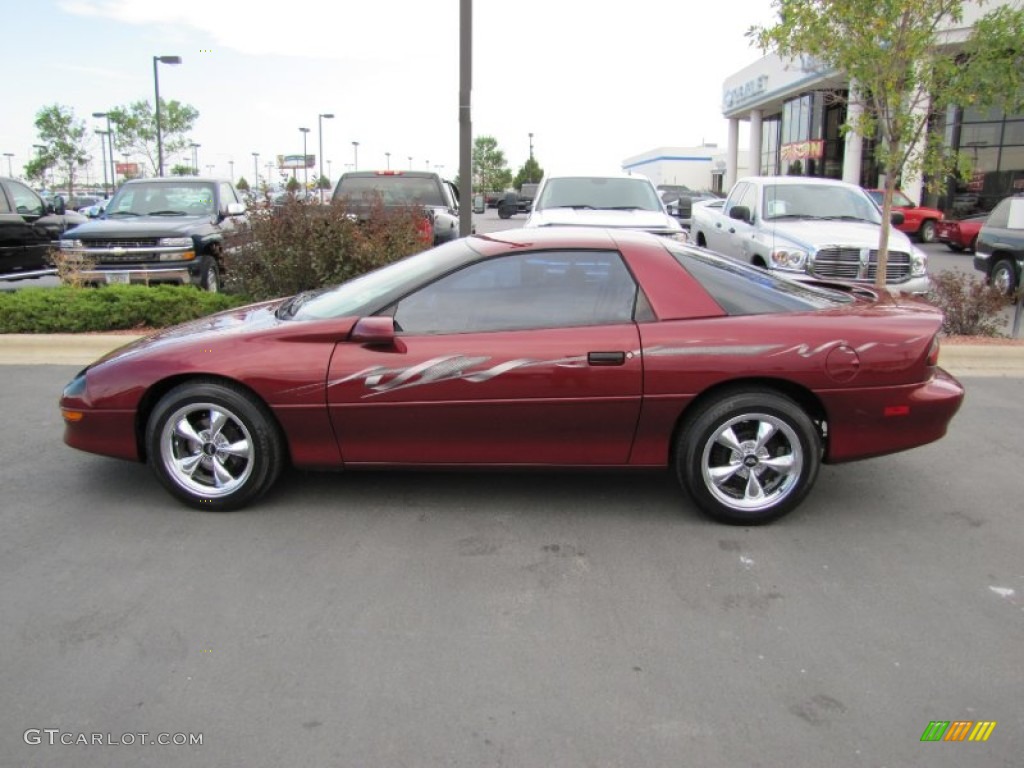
<point>504,213</point>
<point>210,278</point>
<point>927,231</point>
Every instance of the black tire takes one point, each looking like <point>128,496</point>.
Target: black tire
<point>926,234</point>
<point>974,244</point>
<point>504,213</point>
<point>209,280</point>
<point>751,489</point>
<point>1004,277</point>
<point>218,469</point>
<point>954,247</point>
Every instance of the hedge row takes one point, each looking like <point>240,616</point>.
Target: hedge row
<point>109,308</point>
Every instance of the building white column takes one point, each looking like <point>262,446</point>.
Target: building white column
<point>853,153</point>
<point>912,183</point>
<point>731,154</point>
<point>754,158</point>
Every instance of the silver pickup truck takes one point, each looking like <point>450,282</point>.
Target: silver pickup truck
<point>818,228</point>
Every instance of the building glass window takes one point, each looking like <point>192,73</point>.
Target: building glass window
<point>771,128</point>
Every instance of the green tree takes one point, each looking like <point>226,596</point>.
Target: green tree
<point>323,183</point>
<point>488,164</point>
<point>180,169</point>
<point>242,185</point>
<point>135,128</point>
<point>902,75</point>
<point>293,185</point>
<point>64,138</point>
<point>531,172</point>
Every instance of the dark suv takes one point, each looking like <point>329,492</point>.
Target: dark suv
<point>173,230</point>
<point>439,198</point>
<point>999,251</point>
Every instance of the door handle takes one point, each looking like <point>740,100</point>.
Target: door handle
<point>606,358</point>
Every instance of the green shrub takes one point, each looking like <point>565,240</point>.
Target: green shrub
<point>68,309</point>
<point>969,306</point>
<point>299,246</point>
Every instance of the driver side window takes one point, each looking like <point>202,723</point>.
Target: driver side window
<point>26,202</point>
<point>549,289</point>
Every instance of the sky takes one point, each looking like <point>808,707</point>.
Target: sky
<point>594,82</point>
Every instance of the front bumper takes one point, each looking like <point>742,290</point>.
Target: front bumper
<point>141,275</point>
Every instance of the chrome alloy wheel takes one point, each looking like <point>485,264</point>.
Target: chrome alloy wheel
<point>752,461</point>
<point>206,450</point>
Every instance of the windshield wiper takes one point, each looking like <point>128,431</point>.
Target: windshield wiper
<point>166,213</point>
<point>623,208</point>
<point>123,213</point>
<point>847,218</point>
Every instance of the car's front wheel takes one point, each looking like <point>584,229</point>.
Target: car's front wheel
<point>213,445</point>
<point>1004,277</point>
<point>749,457</point>
<point>210,278</point>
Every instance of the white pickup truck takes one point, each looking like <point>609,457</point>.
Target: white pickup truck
<point>818,228</point>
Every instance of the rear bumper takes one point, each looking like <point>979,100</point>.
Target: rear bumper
<point>874,422</point>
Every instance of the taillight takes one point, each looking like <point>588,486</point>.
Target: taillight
<point>426,230</point>
<point>933,353</point>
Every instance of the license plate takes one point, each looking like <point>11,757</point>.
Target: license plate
<point>115,279</point>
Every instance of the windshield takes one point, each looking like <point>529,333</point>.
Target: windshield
<point>373,291</point>
<point>599,192</point>
<point>818,201</point>
<point>179,198</point>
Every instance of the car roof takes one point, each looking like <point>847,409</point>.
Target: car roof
<point>175,180</point>
<point>815,180</point>
<point>565,237</point>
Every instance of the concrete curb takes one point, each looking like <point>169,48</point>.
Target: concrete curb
<point>82,349</point>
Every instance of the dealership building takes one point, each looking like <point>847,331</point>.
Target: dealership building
<point>795,129</point>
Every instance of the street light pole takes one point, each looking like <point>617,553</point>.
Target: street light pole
<point>103,152</point>
<point>320,157</point>
<point>231,175</point>
<point>110,146</point>
<point>9,155</point>
<point>410,162</point>
<point>531,149</point>
<point>387,156</point>
<point>305,165</point>
<point>195,158</point>
<point>355,155</point>
<point>255,173</point>
<point>156,88</point>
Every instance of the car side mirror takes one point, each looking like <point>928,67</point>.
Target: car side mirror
<point>897,218</point>
<point>378,330</point>
<point>740,212</point>
<point>236,209</point>
<point>58,206</point>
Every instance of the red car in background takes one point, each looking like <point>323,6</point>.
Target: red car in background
<point>961,235</point>
<point>918,220</point>
<point>540,348</point>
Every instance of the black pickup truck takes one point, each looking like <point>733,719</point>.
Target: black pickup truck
<point>29,229</point>
<point>173,230</point>
<point>439,198</point>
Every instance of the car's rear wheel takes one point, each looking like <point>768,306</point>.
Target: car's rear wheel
<point>748,457</point>
<point>1004,277</point>
<point>956,248</point>
<point>213,445</point>
<point>927,231</point>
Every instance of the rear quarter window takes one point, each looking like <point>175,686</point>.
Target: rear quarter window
<point>741,289</point>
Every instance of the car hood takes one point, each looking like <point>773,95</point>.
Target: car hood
<point>812,234</point>
<point>571,217</point>
<point>143,226</point>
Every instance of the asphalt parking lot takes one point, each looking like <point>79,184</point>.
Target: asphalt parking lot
<point>493,619</point>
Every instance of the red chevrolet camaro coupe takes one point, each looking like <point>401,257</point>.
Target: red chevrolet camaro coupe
<point>531,348</point>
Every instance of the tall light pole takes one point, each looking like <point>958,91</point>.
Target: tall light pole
<point>209,169</point>
<point>320,158</point>
<point>195,158</point>
<point>255,172</point>
<point>231,174</point>
<point>305,165</point>
<point>40,148</point>
<point>355,155</point>
<point>110,146</point>
<point>9,155</point>
<point>531,148</point>
<point>156,88</point>
<point>410,162</point>
<point>329,174</point>
<point>387,157</point>
<point>103,151</point>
